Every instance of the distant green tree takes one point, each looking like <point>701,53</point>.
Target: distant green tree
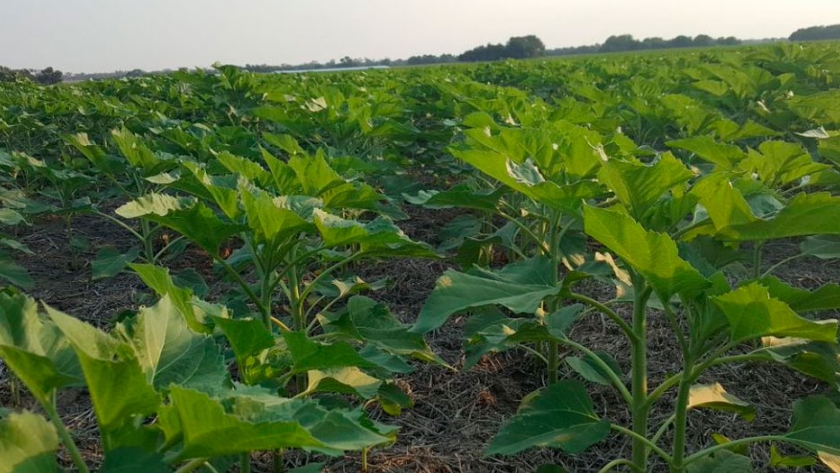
<point>703,40</point>
<point>619,43</point>
<point>816,33</point>
<point>522,47</point>
<point>681,41</point>
<point>49,76</point>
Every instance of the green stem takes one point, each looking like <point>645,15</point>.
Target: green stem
<point>552,362</point>
<point>663,428</point>
<point>244,285</point>
<point>643,440</point>
<point>245,463</point>
<point>622,389</point>
<point>735,443</point>
<point>663,388</point>
<point>780,263</point>
<point>619,462</point>
<point>365,465</point>
<point>148,248</point>
<point>66,438</point>
<point>680,424</point>
<point>625,327</point>
<point>279,466</point>
<point>192,465</point>
<point>759,246</point>
<point>639,407</point>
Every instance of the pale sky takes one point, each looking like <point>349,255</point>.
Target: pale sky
<point>106,35</point>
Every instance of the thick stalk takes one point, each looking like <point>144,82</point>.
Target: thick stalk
<point>759,246</point>
<point>552,353</point>
<point>245,463</point>
<point>192,465</point>
<point>680,424</point>
<point>66,439</point>
<point>639,369</point>
<point>279,455</point>
<point>148,248</point>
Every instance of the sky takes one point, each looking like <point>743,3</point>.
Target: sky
<point>108,35</point>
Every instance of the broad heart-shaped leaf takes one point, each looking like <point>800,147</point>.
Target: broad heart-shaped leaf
<point>192,219</point>
<point>28,443</point>
<point>561,416</point>
<point>159,280</point>
<point>815,425</point>
<point>345,381</point>
<point>460,196</point>
<point>246,336</point>
<point>654,255</point>
<point>590,371</point>
<point>638,186</point>
<point>137,153</point>
<point>779,163</point>
<point>520,287</point>
<point>14,273</point>
<point>713,396</point>
<point>723,156</point>
<point>310,355</point>
<point>134,460</point>
<point>498,166</point>
<point>117,384</point>
<point>371,322</point>
<point>169,352</point>
<point>34,349</point>
<point>752,314</point>
<point>724,203</point>
<point>824,298</point>
<point>109,262</point>
<point>722,461</point>
<point>318,179</point>
<point>271,224</point>
<point>805,214</point>
<point>258,422</point>
<point>821,246</point>
<point>378,237</point>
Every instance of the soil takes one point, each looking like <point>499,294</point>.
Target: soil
<point>455,413</point>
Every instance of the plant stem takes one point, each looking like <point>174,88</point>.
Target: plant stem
<point>759,246</point>
<point>192,465</point>
<point>279,467</point>
<point>625,394</point>
<point>621,461</point>
<point>625,327</point>
<point>365,459</point>
<point>66,439</point>
<point>644,441</point>
<point>639,370</point>
<point>735,443</point>
<point>245,287</point>
<point>552,362</point>
<point>680,426</point>
<point>245,463</point>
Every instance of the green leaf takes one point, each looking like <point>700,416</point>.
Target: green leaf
<point>137,153</point>
<point>723,156</point>
<point>520,287</point>
<point>639,186</point>
<point>826,297</point>
<point>348,380</point>
<point>10,217</point>
<point>779,460</point>
<point>109,262</point>
<point>821,246</point>
<point>192,219</point>
<point>371,322</point>
<point>378,237</point>
<point>169,352</point>
<point>159,280</point>
<point>587,367</point>
<point>15,273</point>
<point>259,422</point>
<point>805,215</point>
<point>815,425</point>
<point>722,461</point>
<point>560,416</point>
<point>34,349</point>
<point>105,359</point>
<point>713,396</point>
<point>460,196</point>
<point>752,314</point>
<point>654,255</point>
<point>28,444</point>
<point>134,460</point>
<point>308,355</point>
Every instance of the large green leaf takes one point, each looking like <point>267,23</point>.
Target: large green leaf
<point>134,460</point>
<point>28,444</point>
<point>805,214</point>
<point>724,156</point>
<point>371,322</point>
<point>34,349</point>
<point>14,273</point>
<point>169,352</point>
<point>722,461</point>
<point>137,153</point>
<point>118,387</point>
<point>378,237</point>
<point>160,281</point>
<point>561,416</point>
<point>638,186</point>
<point>109,262</point>
<point>815,425</point>
<point>192,219</point>
<point>520,287</point>
<point>826,297</point>
<point>654,255</point>
<point>261,422</point>
<point>752,314</point>
<point>310,355</point>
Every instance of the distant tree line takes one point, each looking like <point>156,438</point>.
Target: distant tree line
<point>626,42</point>
<point>518,47</point>
<point>45,76</point>
<point>816,33</point>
